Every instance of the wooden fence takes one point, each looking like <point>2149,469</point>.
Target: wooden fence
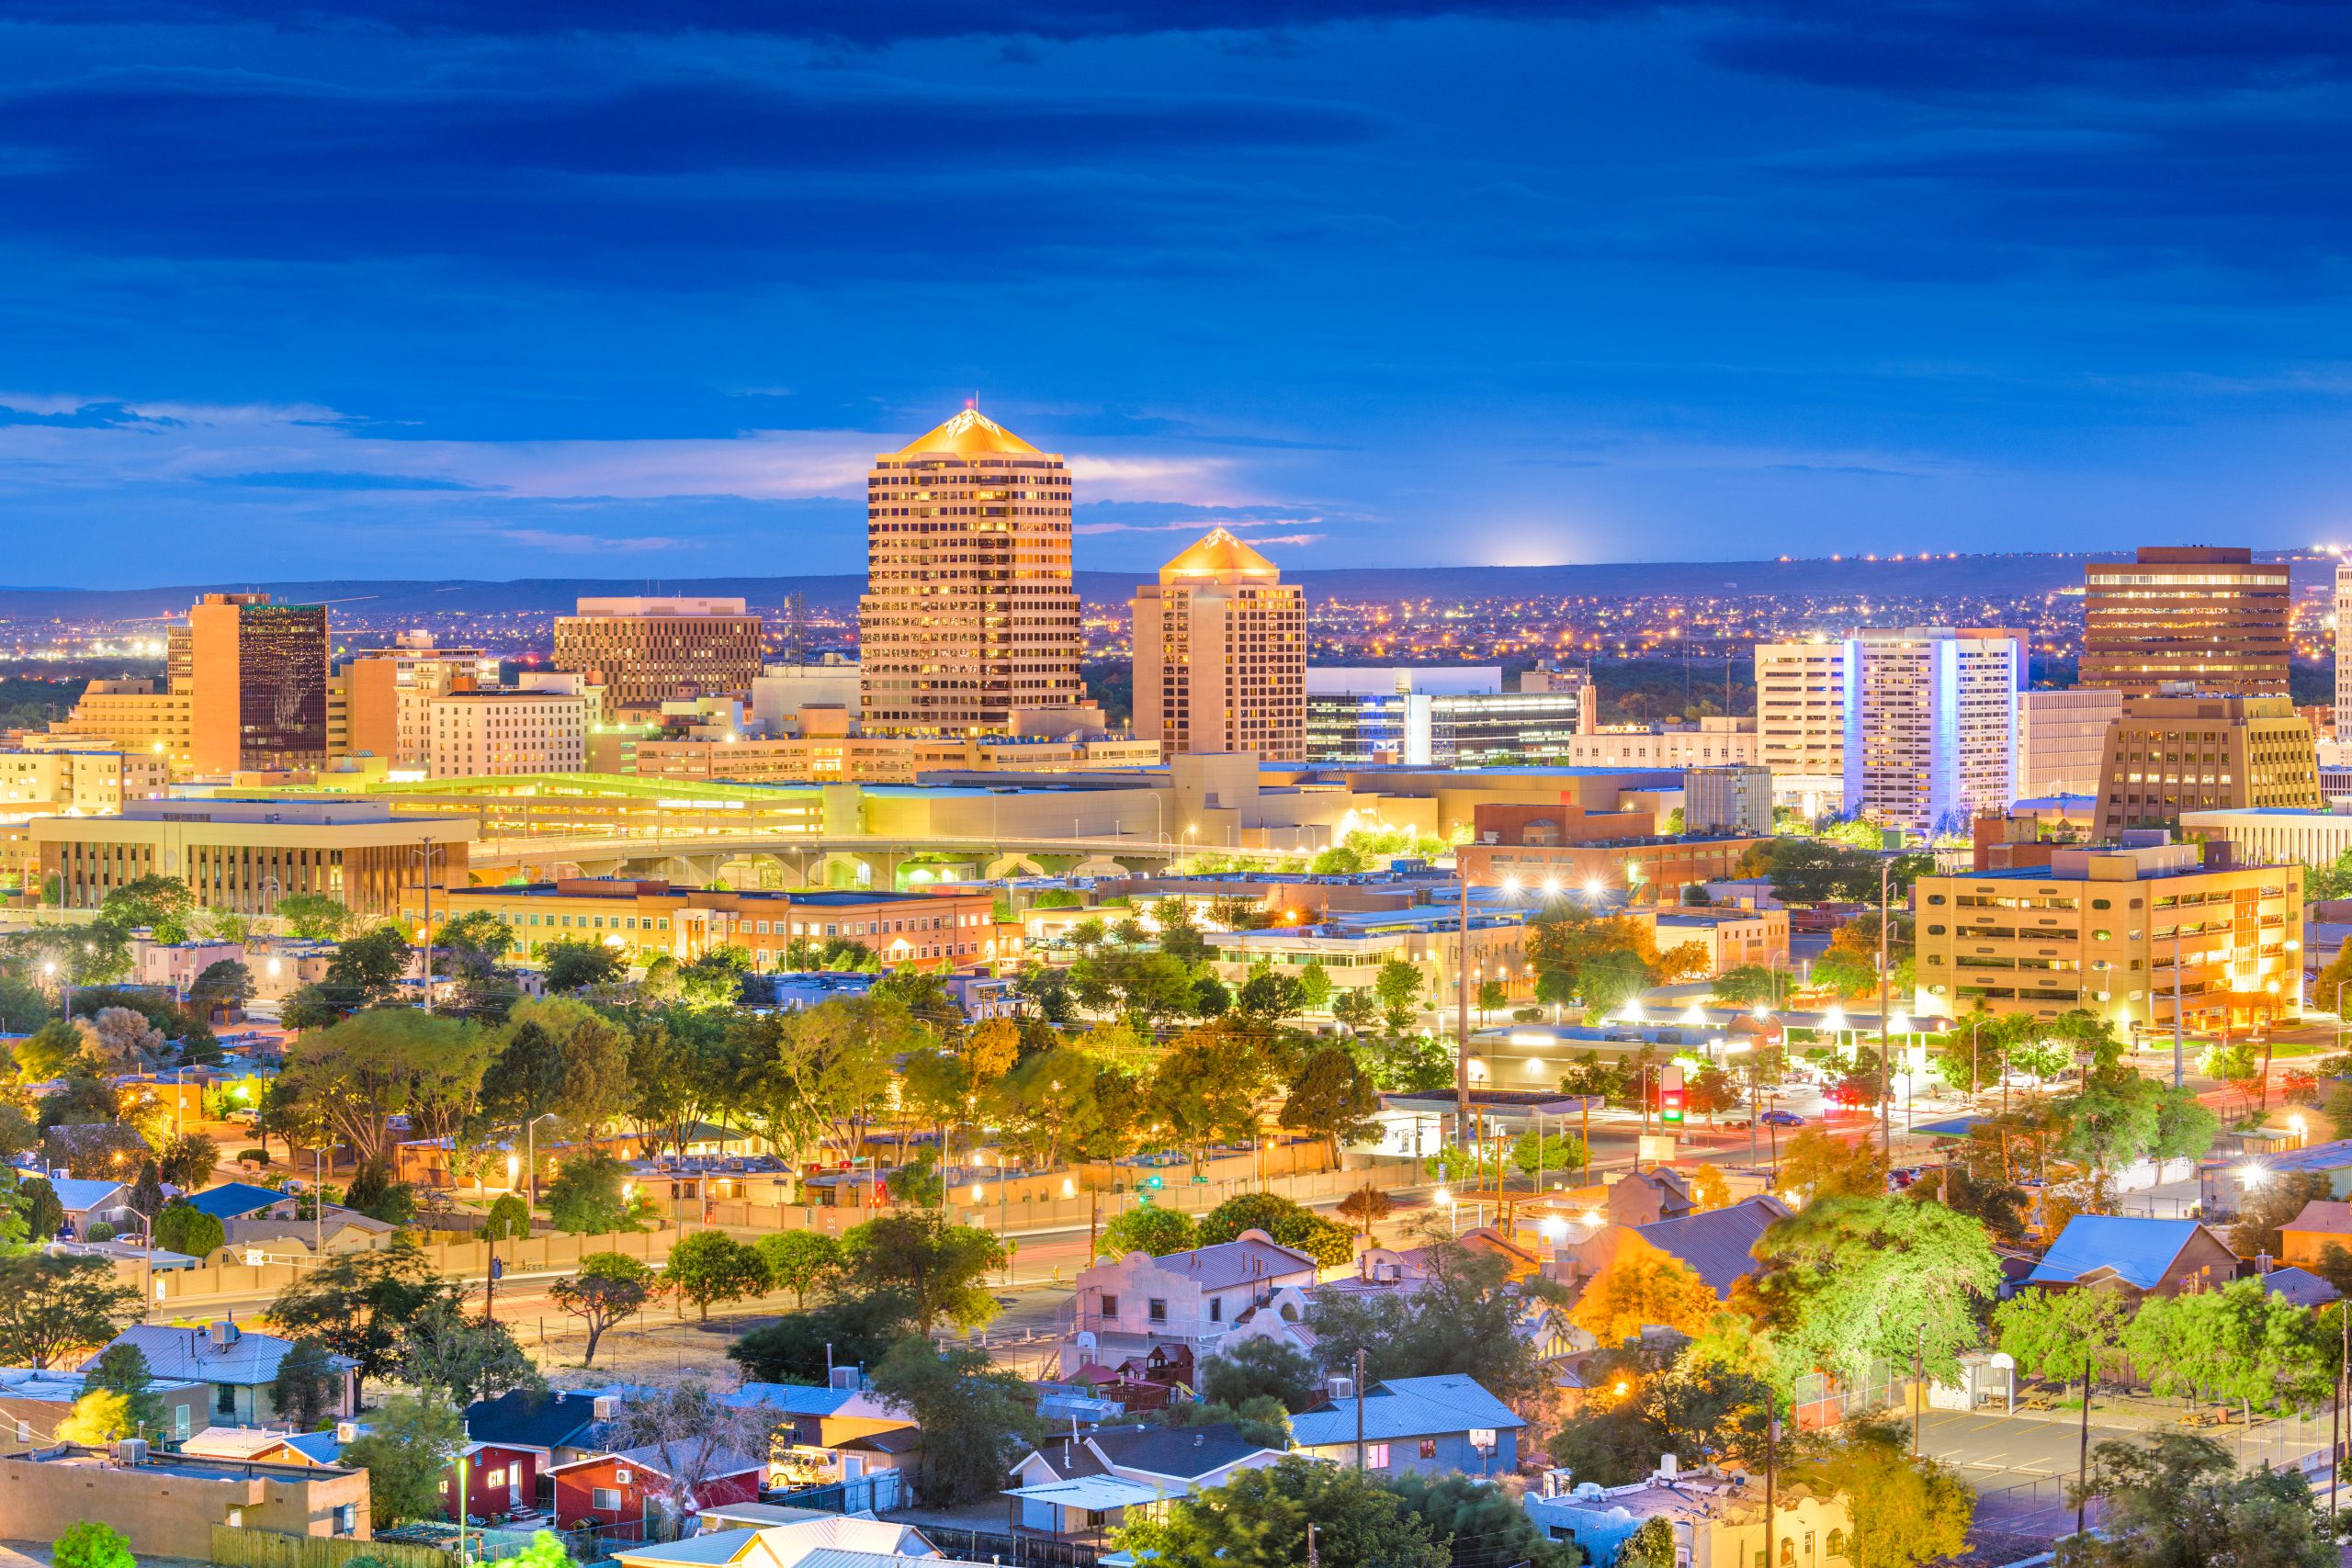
<point>234,1547</point>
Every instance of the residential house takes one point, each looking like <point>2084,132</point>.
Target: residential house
<point>335,1230</point>
<point>108,1202</point>
<point>819,1541</point>
<point>1137,1304</point>
<point>239,1366</point>
<point>1718,1520</point>
<point>1645,1196</point>
<point>2299,1287</point>
<point>1439,1425</point>
<point>1085,1484</point>
<point>238,1200</point>
<point>268,1446</point>
<point>1380,1271</point>
<point>520,1436</point>
<point>818,1427</point>
<point>2145,1256</point>
<point>33,1401</point>
<point>618,1492</point>
<point>2324,1223</point>
<point>1717,1246</point>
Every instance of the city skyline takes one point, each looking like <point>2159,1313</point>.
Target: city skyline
<point>1421,285</point>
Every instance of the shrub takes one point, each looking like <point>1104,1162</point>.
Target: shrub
<point>93,1545</point>
<point>98,1231</point>
<point>253,1156</point>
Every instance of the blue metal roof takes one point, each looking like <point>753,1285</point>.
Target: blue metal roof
<point>236,1198</point>
<point>1406,1407</point>
<point>2139,1250</point>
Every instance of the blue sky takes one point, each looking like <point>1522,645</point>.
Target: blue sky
<point>420,288</point>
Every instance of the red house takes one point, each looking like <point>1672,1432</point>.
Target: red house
<point>499,1480</point>
<point>617,1490</point>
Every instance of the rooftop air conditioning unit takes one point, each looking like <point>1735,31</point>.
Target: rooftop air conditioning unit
<point>1341,1388</point>
<point>131,1451</point>
<point>605,1408</point>
<point>852,1377</point>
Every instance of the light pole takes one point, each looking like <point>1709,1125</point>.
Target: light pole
<point>1885,1072</point>
<point>146,1263</point>
<point>531,1159</point>
<point>424,855</point>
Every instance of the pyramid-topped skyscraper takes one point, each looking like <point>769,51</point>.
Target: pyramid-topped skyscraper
<point>1220,661</point>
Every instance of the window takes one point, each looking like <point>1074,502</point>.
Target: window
<point>604,1499</point>
<point>1376,1456</point>
<point>1156,1309</point>
<point>24,1430</point>
<point>180,1423</point>
<point>1110,1304</point>
<point>1429,1448</point>
<point>1835,1545</point>
<point>1216,1309</point>
<point>496,1477</point>
<point>347,1518</point>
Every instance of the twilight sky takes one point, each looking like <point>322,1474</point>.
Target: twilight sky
<point>430,287</point>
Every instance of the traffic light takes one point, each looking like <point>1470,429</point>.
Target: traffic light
<point>1669,1095</point>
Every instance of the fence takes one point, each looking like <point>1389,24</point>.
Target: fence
<point>986,1546</point>
<point>235,1547</point>
<point>878,1493</point>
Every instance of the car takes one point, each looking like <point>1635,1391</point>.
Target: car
<point>1781,1118</point>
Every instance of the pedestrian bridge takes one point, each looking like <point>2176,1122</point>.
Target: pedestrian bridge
<point>771,860</point>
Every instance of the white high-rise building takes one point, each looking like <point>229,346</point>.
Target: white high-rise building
<point>1930,725</point>
<point>1801,722</point>
<point>2343,665</point>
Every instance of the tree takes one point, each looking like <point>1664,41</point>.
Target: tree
<point>97,1419</point>
<point>802,1347</point>
<point>182,1228</point>
<point>711,1266</point>
<point>1820,1165</point>
<point>90,1544</point>
<point>1147,1228</point>
<point>366,1069</point>
<point>1367,1206</point>
<point>1398,987</point>
<point>123,1369</point>
<point>407,1450</point>
<point>1850,1280</point>
<point>1480,1521</point>
<point>800,1261</point>
<point>467,1357</point>
<point>1261,1516</point>
<point>312,917</point>
<point>574,967</point>
<point>1466,1318</point>
<point>608,1287</point>
<point>587,1196</point>
<point>51,1051</point>
<point>1206,1091</point>
<point>367,970</point>
<point>187,1162</point>
<point>1258,1367</point>
<point>304,1390</point>
<point>2057,1336</point>
<point>1906,1511</point>
<point>358,1304</point>
<point>1637,1293</point>
<point>1650,1546</point>
<point>122,1041</point>
<point>509,1219</point>
<point>1357,1008</point>
<point>1290,1225</point>
<point>159,904</point>
<point>2177,1501</point>
<point>576,1065</point>
<point>972,1416</point>
<point>43,1213</point>
<point>689,1436</point>
<point>941,1268</point>
<point>1332,1098</point>
<point>2270,1206</point>
<point>224,985</point>
<point>52,1305</point>
<point>1554,1152</point>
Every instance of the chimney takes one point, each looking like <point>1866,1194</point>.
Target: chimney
<point>2262,1264</point>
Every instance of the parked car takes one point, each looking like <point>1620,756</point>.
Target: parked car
<point>1781,1118</point>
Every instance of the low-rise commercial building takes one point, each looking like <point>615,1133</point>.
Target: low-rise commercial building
<point>168,1504</point>
<point>40,781</point>
<point>2122,931</point>
<point>2172,754</point>
<point>1569,847</point>
<point>1352,948</point>
<point>1727,938</point>
<point>245,856</point>
<point>1727,799</point>
<point>1710,743</point>
<point>1440,716</point>
<point>2277,835</point>
<point>882,759</point>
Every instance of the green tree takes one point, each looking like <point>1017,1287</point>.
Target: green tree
<point>800,1261</point>
<point>52,1305</point>
<point>312,917</point>
<point>973,1418</point>
<point>1206,1091</point>
<point>1479,1521</point>
<point>449,1351</point>
<point>941,1268</point>
<point>802,1347</point>
<point>2177,1501</point>
<point>608,1288</point>
<point>1819,1165</point>
<point>1290,1225</point>
<point>306,1385</point>
<point>51,1051</point>
<point>1650,1546</point>
<point>225,985</point>
<point>1554,1153</point>
<point>1314,986</point>
<point>1849,1280</point>
<point>43,1213</point>
<point>587,1196</point>
<point>372,1067</point>
<point>123,1369</point>
<point>1358,1009</point>
<point>187,1162</point>
<point>182,1228</point>
<point>90,1544</point>
<point>2058,1335</point>
<point>1147,1228</point>
<point>1332,1098</point>
<point>407,1450</point>
<point>509,1219</point>
<point>159,904</point>
<point>1906,1511</point>
<point>1260,1517</point>
<point>1467,1317</point>
<point>1398,987</point>
<point>574,965</point>
<point>711,1266</point>
<point>359,1303</point>
<point>1259,1367</point>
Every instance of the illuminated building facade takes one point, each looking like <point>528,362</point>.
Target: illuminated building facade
<point>2211,616</point>
<point>2170,754</point>
<point>646,650</point>
<point>258,675</point>
<point>1220,654</point>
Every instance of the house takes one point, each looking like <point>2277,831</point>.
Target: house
<point>514,1441</point>
<point>2299,1287</point>
<point>237,1200</point>
<point>240,1367</point>
<point>33,1401</point>
<point>2146,1257</point>
<point>1085,1483</point>
<point>2324,1223</point>
<point>168,1505</point>
<point>335,1230</point>
<point>106,1202</point>
<point>1645,1196</point>
<point>1380,1271</point>
<point>270,1447</point>
<point>1717,1519</point>
<point>831,1541</point>
<point>1442,1424</point>
<point>1717,1246</point>
<point>615,1491</point>
<point>816,1428</point>
<point>1140,1302</point>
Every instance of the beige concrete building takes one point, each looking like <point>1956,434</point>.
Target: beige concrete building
<point>2099,929</point>
<point>1710,743</point>
<point>383,695</point>
<point>79,783</point>
<point>135,715</point>
<point>881,759</point>
<point>969,620</point>
<point>167,1504</point>
<point>1801,721</point>
<point>479,734</point>
<point>245,856</point>
<point>2062,736</point>
<point>1727,798</point>
<point>2169,754</point>
<point>1220,654</point>
<point>257,672</point>
<point>2274,835</point>
<point>1728,938</point>
<point>644,651</point>
<point>2212,617</point>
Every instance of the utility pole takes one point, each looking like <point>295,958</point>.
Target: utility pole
<point>1359,1391</point>
<point>1313,1561</point>
<point>1772,1434</point>
<point>2083,1455</point>
<point>2336,1405</point>
<point>1919,1383</point>
<point>1462,1022</point>
<point>1885,1063</point>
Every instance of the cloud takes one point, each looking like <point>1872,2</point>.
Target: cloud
<point>1858,468</point>
<point>320,479</point>
<point>590,544</point>
<point>81,416</point>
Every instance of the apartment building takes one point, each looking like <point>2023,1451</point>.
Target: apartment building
<point>646,650</point>
<point>2175,753</point>
<point>143,715</point>
<point>479,734</point>
<point>1711,743</point>
<point>2120,930</point>
<point>1220,654</point>
<point>1801,721</point>
<point>1930,725</point>
<point>79,783</point>
<point>2211,616</point>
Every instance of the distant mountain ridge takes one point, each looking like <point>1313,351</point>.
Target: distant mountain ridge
<point>378,601</point>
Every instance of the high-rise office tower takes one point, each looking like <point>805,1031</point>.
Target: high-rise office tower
<point>257,677</point>
<point>2343,665</point>
<point>645,652</point>
<point>1220,654</point>
<point>2211,616</point>
<point>2183,751</point>
<point>969,624</point>
<point>1801,722</point>
<point>1930,725</point>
